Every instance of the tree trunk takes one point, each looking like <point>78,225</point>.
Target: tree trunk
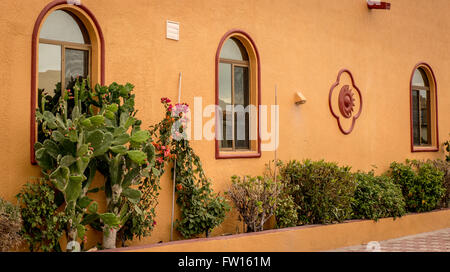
<point>109,238</point>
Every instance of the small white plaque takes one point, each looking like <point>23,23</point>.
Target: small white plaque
<point>173,30</point>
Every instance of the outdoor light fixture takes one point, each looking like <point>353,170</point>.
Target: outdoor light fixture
<point>300,99</point>
<point>375,4</point>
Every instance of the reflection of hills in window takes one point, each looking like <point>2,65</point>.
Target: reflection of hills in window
<point>48,80</point>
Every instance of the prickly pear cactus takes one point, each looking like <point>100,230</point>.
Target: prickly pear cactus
<point>66,156</point>
<point>128,160</point>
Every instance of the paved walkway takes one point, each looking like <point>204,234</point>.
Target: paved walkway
<point>436,241</point>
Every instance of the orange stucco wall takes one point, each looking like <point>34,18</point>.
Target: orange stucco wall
<point>302,45</point>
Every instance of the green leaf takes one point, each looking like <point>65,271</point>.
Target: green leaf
<point>93,207</point>
<point>84,202</point>
<point>67,160</point>
<point>110,115</point>
<point>81,230</point>
<point>73,189</point>
<point>156,172</point>
<point>132,194</point>
<point>75,113</point>
<point>110,219</point>
<point>132,174</point>
<point>90,218</point>
<point>57,136</point>
<point>82,150</point>
<point>51,148</point>
<point>73,136</point>
<point>61,177</point>
<point>140,136</point>
<point>50,119</point>
<point>121,139</point>
<point>86,123</point>
<point>97,120</point>
<point>137,156</point>
<point>119,149</point>
<point>113,107</point>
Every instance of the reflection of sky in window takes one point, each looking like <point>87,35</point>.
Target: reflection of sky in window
<point>61,26</point>
<point>419,78</point>
<point>224,84</point>
<point>231,50</point>
<point>49,57</point>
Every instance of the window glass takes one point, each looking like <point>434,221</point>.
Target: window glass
<point>241,99</point>
<point>420,78</point>
<point>234,96</point>
<point>233,50</point>
<point>63,26</point>
<point>224,101</point>
<point>49,68</point>
<point>421,109</point>
<point>76,64</point>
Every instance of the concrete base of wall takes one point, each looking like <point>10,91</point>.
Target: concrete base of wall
<point>309,238</point>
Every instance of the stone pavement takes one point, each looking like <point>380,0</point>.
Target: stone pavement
<point>436,241</point>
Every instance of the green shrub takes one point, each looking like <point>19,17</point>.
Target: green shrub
<point>444,166</point>
<point>255,198</point>
<point>422,184</point>
<point>447,149</point>
<point>377,197</point>
<point>324,193</point>
<point>286,211</point>
<point>43,225</point>
<point>10,226</point>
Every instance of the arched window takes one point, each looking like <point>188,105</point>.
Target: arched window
<point>64,52</point>
<point>67,43</point>
<point>424,131</point>
<point>237,97</point>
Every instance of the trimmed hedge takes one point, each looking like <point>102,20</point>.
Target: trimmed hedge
<point>421,183</point>
<point>377,197</point>
<point>323,191</point>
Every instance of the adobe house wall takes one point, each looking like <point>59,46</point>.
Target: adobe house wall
<point>302,47</point>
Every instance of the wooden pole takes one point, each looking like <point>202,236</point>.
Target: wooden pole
<point>174,170</point>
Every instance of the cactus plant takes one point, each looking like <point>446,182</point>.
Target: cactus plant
<point>126,161</point>
<point>66,154</point>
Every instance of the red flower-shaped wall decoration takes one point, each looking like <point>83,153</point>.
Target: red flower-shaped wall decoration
<point>346,102</point>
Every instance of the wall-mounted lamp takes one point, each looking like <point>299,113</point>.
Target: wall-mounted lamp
<point>299,98</point>
<point>375,4</point>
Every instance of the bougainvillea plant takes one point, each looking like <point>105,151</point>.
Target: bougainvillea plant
<point>201,209</point>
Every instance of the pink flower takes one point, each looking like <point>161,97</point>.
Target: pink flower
<point>160,160</point>
<point>166,153</point>
<point>165,100</point>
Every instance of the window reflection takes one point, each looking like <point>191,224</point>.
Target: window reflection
<point>421,109</point>
<point>76,65</point>
<point>234,96</point>
<point>49,67</point>
<point>64,26</point>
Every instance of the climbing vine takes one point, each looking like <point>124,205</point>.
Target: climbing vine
<point>201,209</point>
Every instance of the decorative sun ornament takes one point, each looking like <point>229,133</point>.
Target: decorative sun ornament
<point>346,102</point>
